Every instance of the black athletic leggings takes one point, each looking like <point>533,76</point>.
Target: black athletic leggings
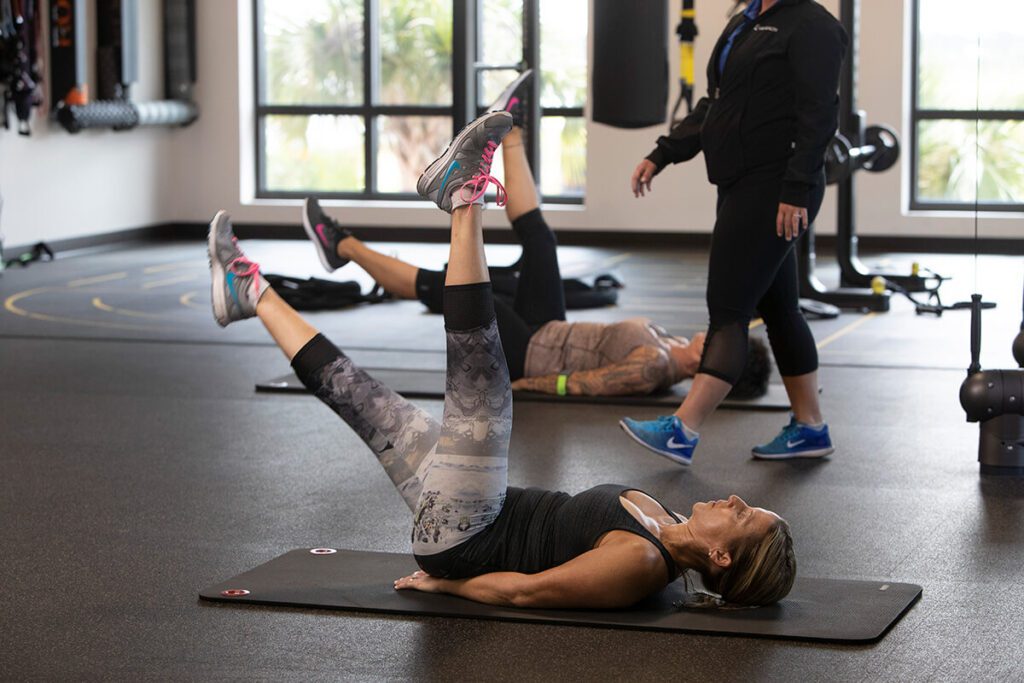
<point>539,297</point>
<point>753,269</point>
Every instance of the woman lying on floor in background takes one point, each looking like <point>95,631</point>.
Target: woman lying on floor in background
<point>544,352</point>
<point>473,535</point>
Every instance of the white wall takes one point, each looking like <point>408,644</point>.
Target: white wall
<point>106,181</point>
<point>57,186</point>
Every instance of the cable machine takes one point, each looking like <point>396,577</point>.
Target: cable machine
<point>859,147</point>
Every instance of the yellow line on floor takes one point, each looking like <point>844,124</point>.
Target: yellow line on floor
<point>615,260</point>
<point>14,298</point>
<point>10,302</point>
<point>171,266</point>
<point>170,281</point>
<point>99,278</point>
<point>186,300</point>
<point>666,306</point>
<point>846,330</point>
<point>103,306</point>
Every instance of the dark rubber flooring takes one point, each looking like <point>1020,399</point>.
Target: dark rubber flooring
<point>137,465</point>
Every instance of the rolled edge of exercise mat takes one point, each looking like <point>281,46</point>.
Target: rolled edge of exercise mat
<point>166,113</point>
<point>101,114</point>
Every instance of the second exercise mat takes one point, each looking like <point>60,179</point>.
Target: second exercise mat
<point>430,384</point>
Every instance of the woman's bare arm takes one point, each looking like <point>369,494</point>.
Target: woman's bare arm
<point>613,575</point>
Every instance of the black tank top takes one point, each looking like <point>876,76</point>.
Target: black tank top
<point>538,530</point>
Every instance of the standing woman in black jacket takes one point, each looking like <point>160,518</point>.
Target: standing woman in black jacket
<point>770,111</point>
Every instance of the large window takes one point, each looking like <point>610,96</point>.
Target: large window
<point>968,105</point>
<point>355,97</point>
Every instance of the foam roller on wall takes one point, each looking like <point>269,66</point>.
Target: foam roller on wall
<point>120,115</point>
<point>166,113</point>
<point>116,114</point>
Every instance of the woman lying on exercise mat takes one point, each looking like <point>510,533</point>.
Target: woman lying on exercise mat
<point>544,352</point>
<point>473,535</point>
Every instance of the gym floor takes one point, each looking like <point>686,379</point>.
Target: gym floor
<point>137,465</point>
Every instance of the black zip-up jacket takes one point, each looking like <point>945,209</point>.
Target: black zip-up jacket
<point>776,100</point>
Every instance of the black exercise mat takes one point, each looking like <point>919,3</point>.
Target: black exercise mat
<point>816,609</point>
<point>430,384</point>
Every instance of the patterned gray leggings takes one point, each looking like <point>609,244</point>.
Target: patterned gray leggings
<point>452,475</point>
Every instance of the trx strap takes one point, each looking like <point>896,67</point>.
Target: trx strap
<point>687,31</point>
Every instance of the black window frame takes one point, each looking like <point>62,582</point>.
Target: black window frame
<point>466,67</point>
<point>917,115</point>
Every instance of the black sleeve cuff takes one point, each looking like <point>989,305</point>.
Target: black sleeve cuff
<point>657,157</point>
<point>795,193</point>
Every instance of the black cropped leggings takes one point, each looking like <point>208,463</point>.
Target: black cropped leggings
<point>539,298</point>
<point>753,269</point>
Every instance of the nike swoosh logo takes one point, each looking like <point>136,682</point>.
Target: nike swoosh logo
<point>672,443</point>
<point>444,181</point>
<point>794,444</point>
<point>231,286</point>
<point>320,232</point>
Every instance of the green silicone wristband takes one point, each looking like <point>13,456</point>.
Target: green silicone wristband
<point>563,382</point>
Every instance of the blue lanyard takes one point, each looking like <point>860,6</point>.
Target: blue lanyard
<point>749,17</point>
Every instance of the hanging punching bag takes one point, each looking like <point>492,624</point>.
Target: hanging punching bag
<point>630,63</point>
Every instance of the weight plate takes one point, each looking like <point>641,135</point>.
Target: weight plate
<point>838,164</point>
<point>887,148</point>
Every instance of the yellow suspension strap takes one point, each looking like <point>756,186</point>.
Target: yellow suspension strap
<point>687,32</point>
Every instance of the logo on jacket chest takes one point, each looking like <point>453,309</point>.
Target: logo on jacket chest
<point>773,29</point>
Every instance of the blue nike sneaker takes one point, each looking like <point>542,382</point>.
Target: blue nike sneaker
<point>796,440</point>
<point>664,435</point>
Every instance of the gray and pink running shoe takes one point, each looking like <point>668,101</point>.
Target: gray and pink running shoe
<point>236,284</point>
<point>460,176</point>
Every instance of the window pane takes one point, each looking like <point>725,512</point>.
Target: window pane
<point>492,83</point>
<point>501,22</point>
<point>323,153</point>
<point>563,52</point>
<point>948,54</point>
<point>563,156</point>
<point>406,146</point>
<point>948,170</point>
<point>312,52</point>
<point>501,42</point>
<point>415,52</point>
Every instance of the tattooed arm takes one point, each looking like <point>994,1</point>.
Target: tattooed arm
<point>645,369</point>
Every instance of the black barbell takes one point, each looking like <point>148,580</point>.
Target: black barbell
<point>881,149</point>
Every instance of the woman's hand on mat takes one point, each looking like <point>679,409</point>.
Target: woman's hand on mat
<point>789,220</point>
<point>419,581</point>
<point>645,171</point>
